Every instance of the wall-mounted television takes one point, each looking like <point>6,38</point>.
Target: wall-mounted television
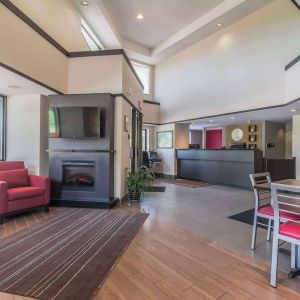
<point>74,122</point>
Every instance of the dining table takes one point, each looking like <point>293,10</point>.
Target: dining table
<point>267,188</point>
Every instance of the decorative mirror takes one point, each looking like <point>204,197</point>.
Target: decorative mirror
<point>237,134</point>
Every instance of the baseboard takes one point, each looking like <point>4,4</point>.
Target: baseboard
<point>83,204</point>
<point>167,176</point>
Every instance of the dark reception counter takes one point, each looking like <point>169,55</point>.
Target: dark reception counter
<point>225,167</point>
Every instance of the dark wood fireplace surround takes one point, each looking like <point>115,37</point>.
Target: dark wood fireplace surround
<point>95,154</point>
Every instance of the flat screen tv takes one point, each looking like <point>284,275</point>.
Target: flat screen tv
<point>74,122</point>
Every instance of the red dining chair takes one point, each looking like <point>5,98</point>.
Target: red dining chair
<point>263,207</point>
<point>286,199</point>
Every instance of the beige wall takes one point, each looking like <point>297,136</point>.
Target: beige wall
<point>95,74</point>
<point>26,51</point>
<point>245,129</point>
<point>122,146</point>
<point>180,141</point>
<point>151,113</point>
<point>289,139</point>
<point>50,15</point>
<point>292,82</point>
<point>27,131</point>
<point>131,88</point>
<point>237,68</point>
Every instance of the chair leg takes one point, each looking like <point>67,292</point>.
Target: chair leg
<point>46,208</point>
<point>1,220</point>
<point>293,256</point>
<point>273,279</point>
<point>269,230</point>
<point>254,231</point>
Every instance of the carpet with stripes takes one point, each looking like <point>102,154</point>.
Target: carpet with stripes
<point>68,256</point>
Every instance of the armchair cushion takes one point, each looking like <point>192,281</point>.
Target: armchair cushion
<point>15,178</point>
<point>24,193</point>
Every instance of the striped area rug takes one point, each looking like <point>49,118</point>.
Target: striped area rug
<point>67,257</point>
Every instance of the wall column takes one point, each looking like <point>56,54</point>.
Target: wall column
<point>296,143</point>
<point>204,138</point>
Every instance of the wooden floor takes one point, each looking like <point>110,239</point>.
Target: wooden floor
<point>167,262</point>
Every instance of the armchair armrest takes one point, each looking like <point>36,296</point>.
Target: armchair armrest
<point>43,182</point>
<point>3,196</point>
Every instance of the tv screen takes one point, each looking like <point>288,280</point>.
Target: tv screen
<point>74,122</point>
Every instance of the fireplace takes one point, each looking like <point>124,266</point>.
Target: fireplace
<point>78,176</point>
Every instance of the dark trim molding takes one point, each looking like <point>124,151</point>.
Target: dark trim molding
<point>30,78</point>
<point>33,25</point>
<point>147,123</point>
<point>297,5</point>
<point>151,102</point>
<point>231,113</point>
<point>292,63</point>
<point>107,52</point>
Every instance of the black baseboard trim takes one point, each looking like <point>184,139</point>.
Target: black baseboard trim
<point>84,204</point>
<point>167,176</point>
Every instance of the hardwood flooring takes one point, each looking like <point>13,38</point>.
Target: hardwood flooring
<point>166,262</point>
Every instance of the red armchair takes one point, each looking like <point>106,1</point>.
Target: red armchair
<point>20,191</point>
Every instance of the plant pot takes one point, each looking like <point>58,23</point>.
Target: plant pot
<point>135,196</point>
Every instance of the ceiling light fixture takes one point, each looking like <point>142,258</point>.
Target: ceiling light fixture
<point>14,86</point>
<point>211,120</point>
<point>140,16</point>
<point>232,118</point>
<point>220,24</point>
<point>84,3</point>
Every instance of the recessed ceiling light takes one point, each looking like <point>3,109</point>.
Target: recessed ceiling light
<point>140,16</point>
<point>14,87</point>
<point>220,24</point>
<point>293,110</point>
<point>211,120</point>
<point>84,3</point>
<point>232,118</point>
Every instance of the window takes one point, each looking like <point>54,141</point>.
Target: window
<point>91,39</point>
<point>143,72</point>
<point>53,123</point>
<point>2,127</point>
<point>144,140</point>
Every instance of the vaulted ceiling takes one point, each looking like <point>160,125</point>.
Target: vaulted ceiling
<point>167,27</point>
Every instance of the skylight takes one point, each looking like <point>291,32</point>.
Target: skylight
<point>91,39</point>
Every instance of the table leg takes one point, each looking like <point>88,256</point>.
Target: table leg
<point>296,263</point>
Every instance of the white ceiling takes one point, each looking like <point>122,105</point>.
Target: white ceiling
<point>161,18</point>
<point>278,114</point>
<point>13,84</point>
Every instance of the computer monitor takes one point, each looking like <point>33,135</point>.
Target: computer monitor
<point>153,154</point>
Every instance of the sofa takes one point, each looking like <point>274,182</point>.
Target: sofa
<point>20,191</point>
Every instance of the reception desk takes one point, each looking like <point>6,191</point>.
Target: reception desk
<point>224,167</point>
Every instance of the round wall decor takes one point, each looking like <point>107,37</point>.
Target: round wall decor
<point>237,134</point>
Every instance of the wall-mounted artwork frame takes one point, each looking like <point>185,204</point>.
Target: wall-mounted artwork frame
<point>252,128</point>
<point>252,138</point>
<point>126,123</point>
<point>164,139</point>
<point>252,146</point>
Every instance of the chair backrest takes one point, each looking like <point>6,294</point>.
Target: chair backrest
<point>286,198</point>
<point>146,159</point>
<point>261,197</point>
<point>11,165</point>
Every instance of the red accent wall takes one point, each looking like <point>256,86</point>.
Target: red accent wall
<point>214,139</point>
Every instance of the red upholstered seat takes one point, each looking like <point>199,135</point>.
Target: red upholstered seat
<point>290,229</point>
<point>269,211</point>
<point>24,192</point>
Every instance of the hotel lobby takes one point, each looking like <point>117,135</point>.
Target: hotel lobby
<point>149,149</point>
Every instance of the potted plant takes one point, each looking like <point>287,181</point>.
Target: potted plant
<point>138,181</point>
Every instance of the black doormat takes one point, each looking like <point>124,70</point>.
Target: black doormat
<point>247,217</point>
<point>160,189</point>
